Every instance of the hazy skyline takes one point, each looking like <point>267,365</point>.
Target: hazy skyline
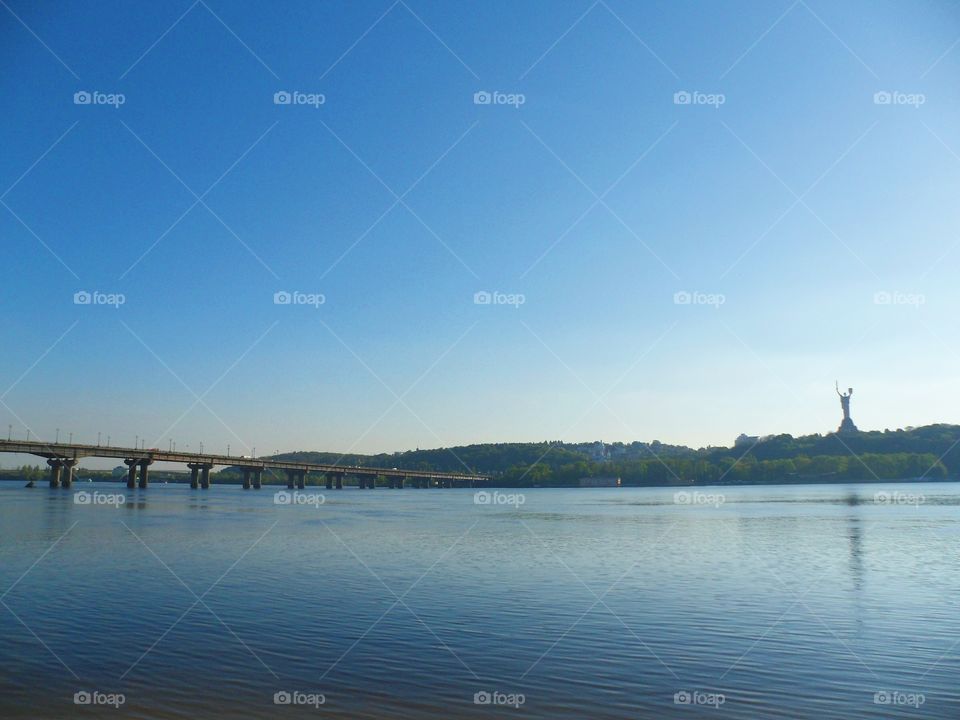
<point>808,189</point>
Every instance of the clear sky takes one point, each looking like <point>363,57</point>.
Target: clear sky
<point>787,198</point>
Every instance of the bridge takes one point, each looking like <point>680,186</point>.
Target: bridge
<point>63,458</point>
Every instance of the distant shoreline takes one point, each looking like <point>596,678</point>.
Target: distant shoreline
<point>39,483</point>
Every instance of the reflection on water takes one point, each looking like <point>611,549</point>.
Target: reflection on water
<point>779,602</point>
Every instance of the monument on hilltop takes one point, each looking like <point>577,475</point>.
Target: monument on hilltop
<point>846,425</point>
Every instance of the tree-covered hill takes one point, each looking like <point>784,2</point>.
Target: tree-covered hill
<point>930,453</point>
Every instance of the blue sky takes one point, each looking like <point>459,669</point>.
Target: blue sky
<point>823,218</point>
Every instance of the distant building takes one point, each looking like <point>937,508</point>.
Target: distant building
<point>598,453</point>
<point>744,439</point>
<point>600,482</point>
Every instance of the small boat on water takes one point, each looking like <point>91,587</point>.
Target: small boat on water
<point>29,484</point>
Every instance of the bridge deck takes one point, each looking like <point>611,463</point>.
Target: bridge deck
<point>77,451</point>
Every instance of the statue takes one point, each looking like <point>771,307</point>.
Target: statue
<point>846,425</point>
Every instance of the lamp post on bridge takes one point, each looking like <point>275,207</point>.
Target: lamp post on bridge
<point>57,438</point>
<point>98,439</point>
<point>71,438</point>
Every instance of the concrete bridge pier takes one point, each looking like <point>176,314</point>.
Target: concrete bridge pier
<point>257,479</point>
<point>205,476</point>
<point>338,480</point>
<point>56,465</point>
<point>399,483</point>
<point>329,481</point>
<point>131,472</point>
<point>448,483</point>
<point>66,479</point>
<point>301,479</point>
<point>246,478</point>
<point>194,475</point>
<point>145,473</point>
<point>291,479</point>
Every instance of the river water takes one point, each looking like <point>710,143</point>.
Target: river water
<point>770,602</point>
